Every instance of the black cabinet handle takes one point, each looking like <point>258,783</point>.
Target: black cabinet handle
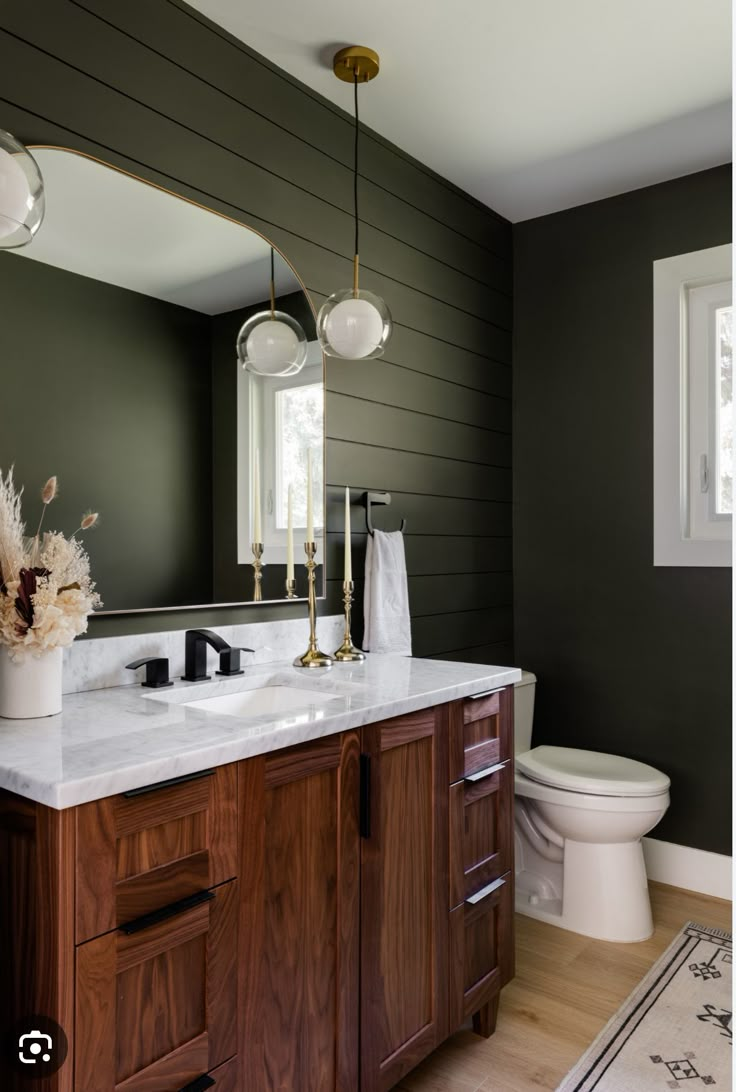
<point>170,911</point>
<point>166,784</point>
<point>365,796</point>
<point>199,1084</point>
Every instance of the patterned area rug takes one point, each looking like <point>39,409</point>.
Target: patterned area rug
<point>674,1031</point>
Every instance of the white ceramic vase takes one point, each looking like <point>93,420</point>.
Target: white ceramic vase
<point>31,688</point>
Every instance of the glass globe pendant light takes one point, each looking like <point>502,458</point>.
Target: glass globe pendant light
<point>21,193</point>
<point>354,324</point>
<point>272,342</point>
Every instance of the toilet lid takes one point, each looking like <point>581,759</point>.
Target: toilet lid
<point>591,772</point>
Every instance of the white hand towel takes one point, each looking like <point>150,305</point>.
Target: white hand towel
<point>386,600</point>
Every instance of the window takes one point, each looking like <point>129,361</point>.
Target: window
<point>297,426</point>
<point>693,433</point>
<point>280,417</point>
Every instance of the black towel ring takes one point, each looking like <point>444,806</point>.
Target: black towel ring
<point>376,498</point>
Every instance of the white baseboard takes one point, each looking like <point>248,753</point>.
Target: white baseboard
<point>693,869</point>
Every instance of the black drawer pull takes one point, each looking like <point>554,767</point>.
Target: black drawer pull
<point>199,1085</point>
<point>166,784</point>
<point>170,911</point>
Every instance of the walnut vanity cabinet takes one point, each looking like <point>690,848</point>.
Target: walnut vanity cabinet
<point>313,919</point>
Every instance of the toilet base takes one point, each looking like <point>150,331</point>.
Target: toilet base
<point>604,893</point>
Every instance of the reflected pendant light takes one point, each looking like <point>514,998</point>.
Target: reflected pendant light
<point>21,193</point>
<point>354,324</point>
<point>272,342</point>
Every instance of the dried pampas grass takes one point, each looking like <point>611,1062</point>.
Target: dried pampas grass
<point>46,590</point>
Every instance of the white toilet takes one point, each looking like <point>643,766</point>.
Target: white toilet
<point>579,820</point>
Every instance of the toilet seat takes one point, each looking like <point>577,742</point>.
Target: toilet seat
<point>591,772</point>
<point>535,790</point>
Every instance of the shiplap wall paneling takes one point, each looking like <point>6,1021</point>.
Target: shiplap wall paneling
<point>154,87</point>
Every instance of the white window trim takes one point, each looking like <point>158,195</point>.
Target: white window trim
<point>673,277</point>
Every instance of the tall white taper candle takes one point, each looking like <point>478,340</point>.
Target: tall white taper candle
<point>257,499</point>
<point>310,518</point>
<point>348,550</point>
<point>289,539</point>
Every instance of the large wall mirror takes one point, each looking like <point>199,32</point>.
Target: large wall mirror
<point>120,376</point>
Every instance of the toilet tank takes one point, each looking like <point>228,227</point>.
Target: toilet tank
<point>524,712</point>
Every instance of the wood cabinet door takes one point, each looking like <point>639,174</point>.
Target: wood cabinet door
<point>404,894</point>
<point>156,1006</point>
<point>299,920</point>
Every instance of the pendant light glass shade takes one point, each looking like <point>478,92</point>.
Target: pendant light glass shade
<point>354,324</point>
<point>21,193</point>
<point>272,342</point>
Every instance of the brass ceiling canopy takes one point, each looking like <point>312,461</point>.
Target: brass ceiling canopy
<point>356,62</point>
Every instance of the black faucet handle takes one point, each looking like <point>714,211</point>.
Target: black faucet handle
<point>230,661</point>
<point>157,671</point>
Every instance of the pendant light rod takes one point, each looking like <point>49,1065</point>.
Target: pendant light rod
<point>273,290</point>
<point>356,251</point>
<point>356,64</point>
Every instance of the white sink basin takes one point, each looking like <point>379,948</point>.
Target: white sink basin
<point>266,699</point>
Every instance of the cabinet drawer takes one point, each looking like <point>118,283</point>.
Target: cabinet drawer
<point>481,830</point>
<point>155,1009</point>
<point>139,851</point>
<point>481,948</point>
<point>481,731</point>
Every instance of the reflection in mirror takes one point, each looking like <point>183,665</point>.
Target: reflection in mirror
<point>121,377</point>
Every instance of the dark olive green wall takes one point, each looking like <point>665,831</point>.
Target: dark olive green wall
<point>151,86</point>
<point>631,659</point>
<point>110,390</point>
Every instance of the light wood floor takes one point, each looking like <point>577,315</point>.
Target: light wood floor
<point>566,988</point>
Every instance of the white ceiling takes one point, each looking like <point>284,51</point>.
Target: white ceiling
<point>105,225</point>
<point>530,105</point>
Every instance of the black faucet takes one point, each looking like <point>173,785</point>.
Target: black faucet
<point>195,655</point>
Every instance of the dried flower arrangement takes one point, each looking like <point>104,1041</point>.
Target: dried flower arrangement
<point>46,591</point>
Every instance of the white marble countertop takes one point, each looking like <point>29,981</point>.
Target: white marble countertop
<point>109,741</point>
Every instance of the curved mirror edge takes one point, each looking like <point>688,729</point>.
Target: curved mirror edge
<point>125,314</point>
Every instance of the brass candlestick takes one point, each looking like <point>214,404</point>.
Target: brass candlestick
<point>291,589</point>
<point>347,652</point>
<point>312,657</point>
<point>257,548</point>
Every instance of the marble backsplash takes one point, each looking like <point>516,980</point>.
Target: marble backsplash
<point>99,663</point>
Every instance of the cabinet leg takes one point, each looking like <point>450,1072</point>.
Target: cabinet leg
<point>484,1021</point>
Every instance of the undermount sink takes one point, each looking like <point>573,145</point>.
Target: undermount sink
<point>265,699</point>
